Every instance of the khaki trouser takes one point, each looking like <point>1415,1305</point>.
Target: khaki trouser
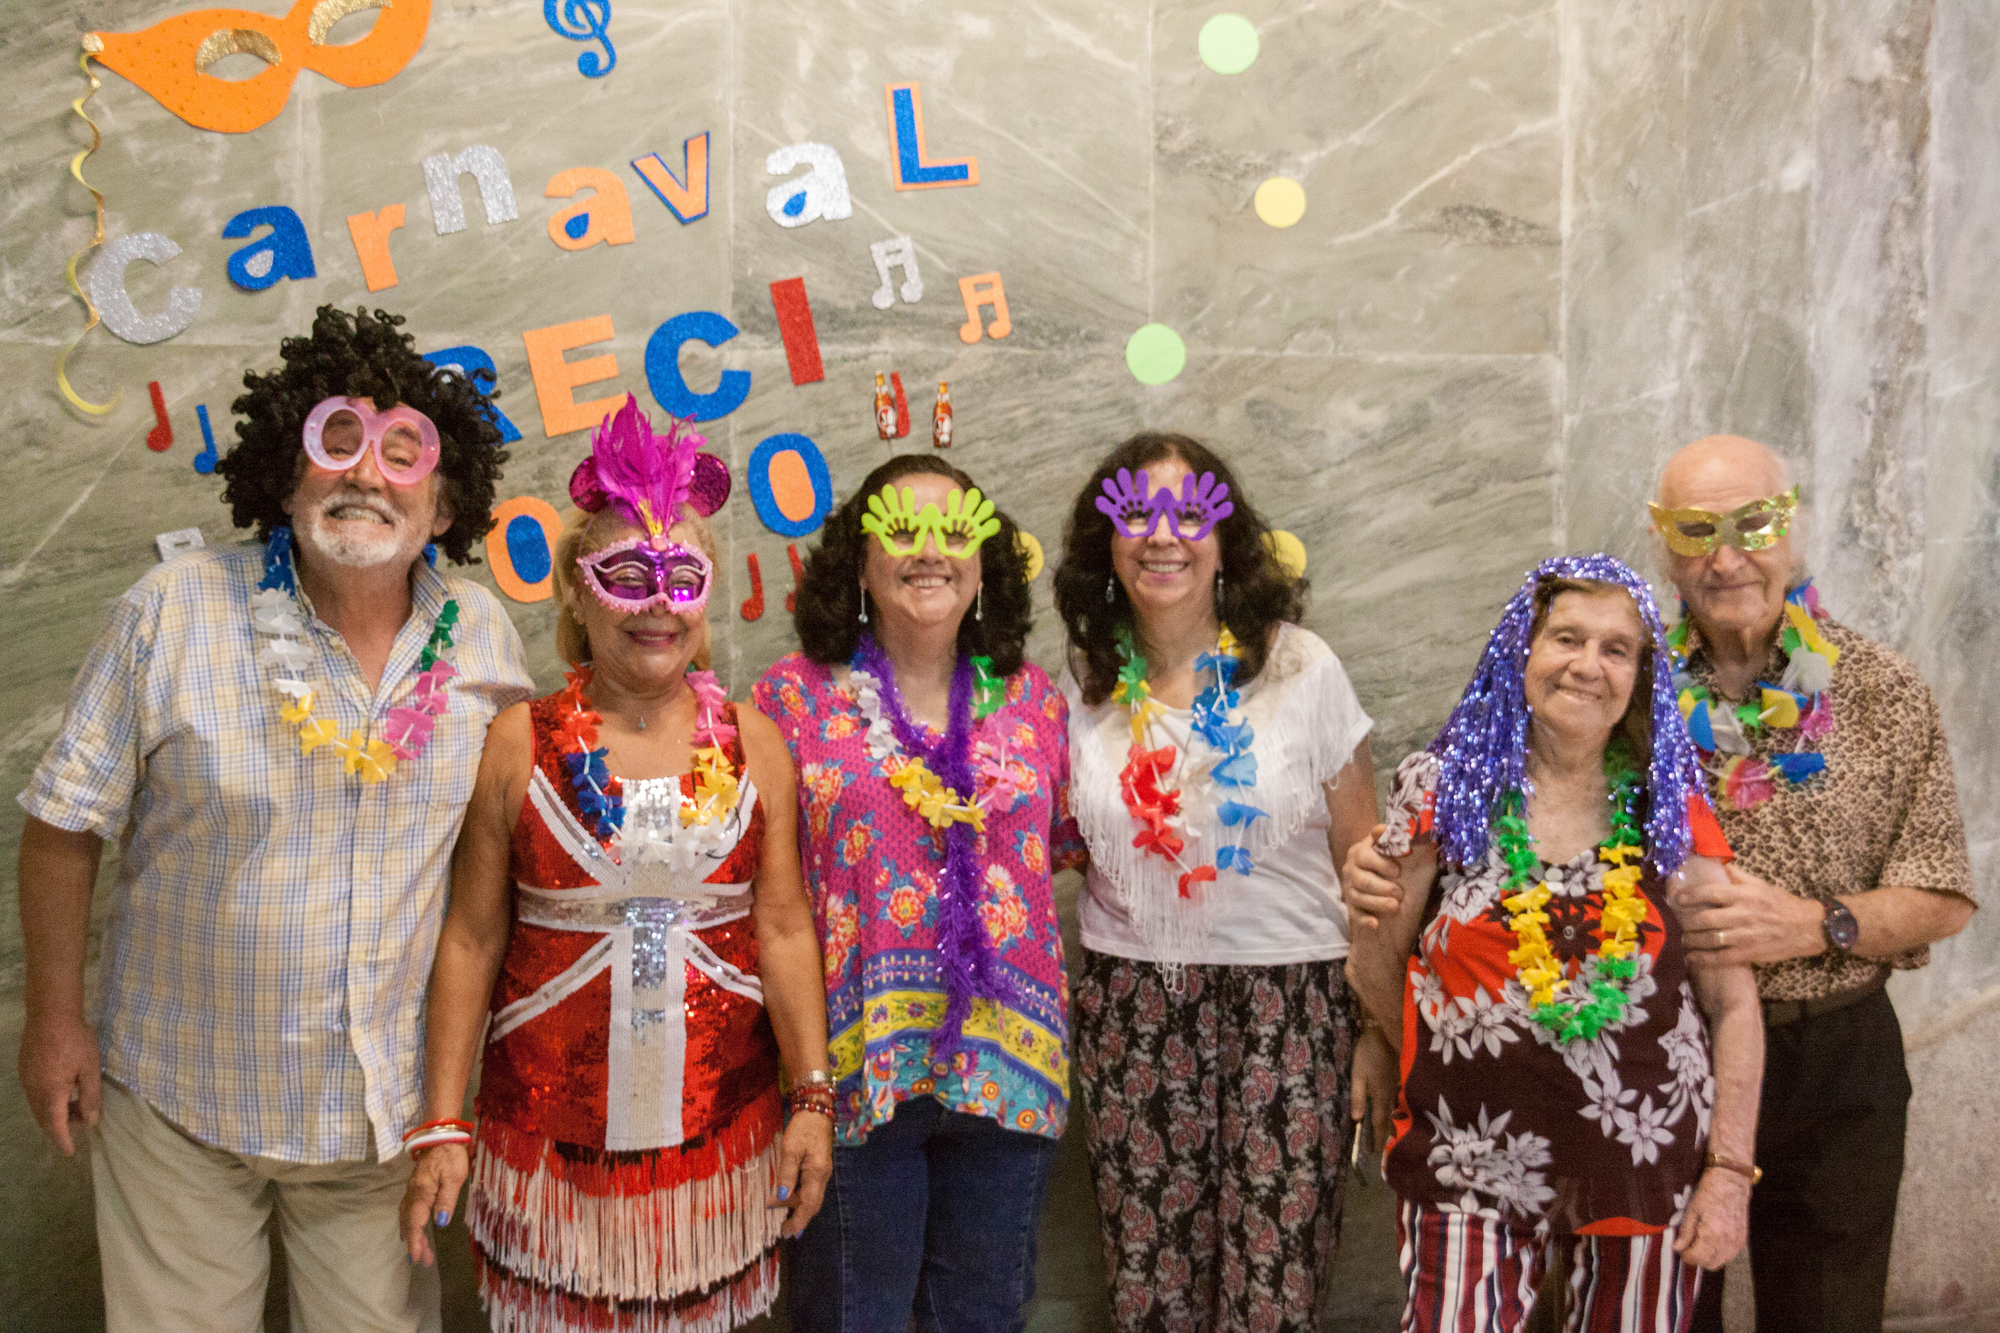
<point>183,1232</point>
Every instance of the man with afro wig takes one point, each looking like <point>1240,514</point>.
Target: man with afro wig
<point>282,735</point>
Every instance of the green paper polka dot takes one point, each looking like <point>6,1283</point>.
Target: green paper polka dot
<point>1155,354</point>
<point>1228,43</point>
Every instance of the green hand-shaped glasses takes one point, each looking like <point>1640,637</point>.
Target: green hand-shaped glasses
<point>904,529</point>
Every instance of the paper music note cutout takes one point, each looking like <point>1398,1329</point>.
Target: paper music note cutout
<point>798,573</point>
<point>902,405</point>
<point>978,290</point>
<point>753,605</point>
<point>161,437</point>
<point>204,462</point>
<point>896,250</point>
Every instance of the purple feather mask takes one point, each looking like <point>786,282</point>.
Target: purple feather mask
<point>646,476</point>
<point>1483,747</point>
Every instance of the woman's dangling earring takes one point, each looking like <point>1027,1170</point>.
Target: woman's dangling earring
<point>864,603</point>
<point>979,603</point>
<point>1110,589</point>
<point>1218,592</point>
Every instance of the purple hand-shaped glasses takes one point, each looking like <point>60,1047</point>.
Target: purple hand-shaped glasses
<point>635,575</point>
<point>1135,511</point>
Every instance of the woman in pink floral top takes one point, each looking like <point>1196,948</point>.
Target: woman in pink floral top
<point>930,756</point>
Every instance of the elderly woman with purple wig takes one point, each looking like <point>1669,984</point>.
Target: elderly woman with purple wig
<point>1568,1080</point>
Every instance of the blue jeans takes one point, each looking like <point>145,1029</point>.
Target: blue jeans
<point>932,1219</point>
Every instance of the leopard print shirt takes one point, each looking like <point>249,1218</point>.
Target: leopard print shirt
<point>1883,812</point>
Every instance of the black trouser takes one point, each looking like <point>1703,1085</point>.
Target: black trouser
<point>1830,1140</point>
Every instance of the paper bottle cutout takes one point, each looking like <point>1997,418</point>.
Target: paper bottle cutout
<point>663,367</point>
<point>473,363</point>
<point>107,289</point>
<point>370,234</point>
<point>161,437</point>
<point>892,409</point>
<point>941,422</point>
<point>908,165</point>
<point>557,379</point>
<point>978,290</point>
<point>753,605</point>
<point>885,408</point>
<point>887,254</point>
<point>283,253</point>
<point>795,325</point>
<point>204,462</point>
<point>820,193</point>
<point>170,59</point>
<point>685,196</point>
<point>584,21</point>
<point>484,163</point>
<point>606,216</point>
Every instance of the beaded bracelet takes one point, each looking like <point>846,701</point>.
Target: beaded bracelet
<point>817,1099</point>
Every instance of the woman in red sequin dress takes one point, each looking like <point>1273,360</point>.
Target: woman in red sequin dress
<point>629,926</point>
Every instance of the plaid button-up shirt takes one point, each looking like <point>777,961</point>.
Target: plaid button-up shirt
<point>271,931</point>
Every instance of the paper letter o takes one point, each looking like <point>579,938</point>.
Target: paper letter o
<point>663,368</point>
<point>790,485</point>
<point>521,548</point>
<point>114,304</point>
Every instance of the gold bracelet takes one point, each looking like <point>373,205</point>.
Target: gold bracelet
<point>1752,1173</point>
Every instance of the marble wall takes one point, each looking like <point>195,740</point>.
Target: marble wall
<point>1544,244</point>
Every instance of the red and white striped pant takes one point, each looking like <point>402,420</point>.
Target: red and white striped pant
<point>1471,1274</point>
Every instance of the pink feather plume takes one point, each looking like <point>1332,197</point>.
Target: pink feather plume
<point>636,468</point>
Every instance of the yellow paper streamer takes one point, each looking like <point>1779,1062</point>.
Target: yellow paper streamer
<point>69,272</point>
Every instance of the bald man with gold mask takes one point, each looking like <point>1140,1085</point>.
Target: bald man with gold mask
<point>1828,768</point>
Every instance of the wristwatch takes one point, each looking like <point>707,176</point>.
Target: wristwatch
<point>1840,927</point>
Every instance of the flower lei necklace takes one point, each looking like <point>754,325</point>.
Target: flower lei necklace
<point>1163,829</point>
<point>601,797</point>
<point>923,790</point>
<point>936,779</point>
<point>1603,1000</point>
<point>406,729</point>
<point>1802,698</point>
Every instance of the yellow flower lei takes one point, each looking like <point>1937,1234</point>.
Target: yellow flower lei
<point>1540,973</point>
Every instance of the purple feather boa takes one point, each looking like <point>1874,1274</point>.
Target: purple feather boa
<point>965,949</point>
<point>1483,747</point>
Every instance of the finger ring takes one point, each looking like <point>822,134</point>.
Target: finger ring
<point>1722,939</point>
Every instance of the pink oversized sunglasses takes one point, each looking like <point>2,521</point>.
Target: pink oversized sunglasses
<point>340,430</point>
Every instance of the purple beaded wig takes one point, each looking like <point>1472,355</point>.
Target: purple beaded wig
<point>1483,748</point>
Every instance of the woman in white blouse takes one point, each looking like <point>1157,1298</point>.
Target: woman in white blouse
<point>1218,758</point>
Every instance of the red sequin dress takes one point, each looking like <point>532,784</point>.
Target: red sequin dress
<point>628,1100</point>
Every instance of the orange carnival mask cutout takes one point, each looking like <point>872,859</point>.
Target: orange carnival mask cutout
<point>170,60</point>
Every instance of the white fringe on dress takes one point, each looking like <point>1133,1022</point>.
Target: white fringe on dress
<point>625,1243</point>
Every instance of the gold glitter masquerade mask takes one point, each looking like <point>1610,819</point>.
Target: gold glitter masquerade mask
<point>1748,527</point>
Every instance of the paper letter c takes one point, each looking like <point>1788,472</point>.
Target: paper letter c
<point>663,367</point>
<point>114,303</point>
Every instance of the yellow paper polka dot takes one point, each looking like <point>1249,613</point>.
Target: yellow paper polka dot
<point>1280,201</point>
<point>1032,550</point>
<point>1289,551</point>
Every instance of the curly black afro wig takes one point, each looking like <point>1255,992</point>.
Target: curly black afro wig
<point>361,356</point>
<point>828,618</point>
